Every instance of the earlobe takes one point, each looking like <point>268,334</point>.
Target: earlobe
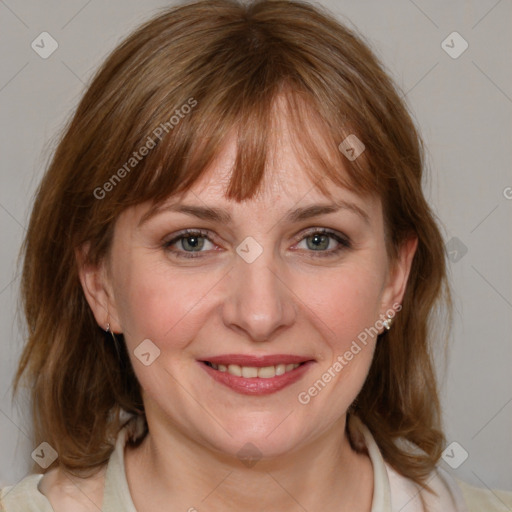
<point>97,290</point>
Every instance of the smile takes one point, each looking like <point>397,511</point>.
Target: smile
<point>251,372</point>
<point>269,376</point>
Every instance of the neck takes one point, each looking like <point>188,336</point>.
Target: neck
<point>171,471</point>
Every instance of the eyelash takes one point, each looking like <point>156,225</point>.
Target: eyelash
<point>344,242</point>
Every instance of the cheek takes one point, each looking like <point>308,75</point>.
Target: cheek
<point>344,307</point>
<point>345,302</point>
<point>161,305</point>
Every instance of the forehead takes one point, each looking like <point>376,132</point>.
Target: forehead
<point>294,175</point>
<point>283,143</point>
<point>286,194</point>
<point>285,180</point>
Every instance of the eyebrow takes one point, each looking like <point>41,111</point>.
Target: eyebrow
<point>224,217</point>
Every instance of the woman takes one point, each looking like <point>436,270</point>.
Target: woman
<point>229,276</point>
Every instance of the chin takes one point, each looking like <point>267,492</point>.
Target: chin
<point>250,448</point>
<point>269,436</point>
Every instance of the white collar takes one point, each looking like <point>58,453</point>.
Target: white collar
<point>117,491</point>
<point>391,491</point>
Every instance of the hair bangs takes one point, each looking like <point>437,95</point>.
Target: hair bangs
<point>184,156</point>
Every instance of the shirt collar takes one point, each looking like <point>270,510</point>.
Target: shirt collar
<point>381,501</point>
<point>117,492</point>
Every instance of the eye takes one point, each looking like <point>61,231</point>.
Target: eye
<point>188,242</point>
<point>319,240</point>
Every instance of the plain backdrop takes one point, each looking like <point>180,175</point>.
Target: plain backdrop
<point>463,106</point>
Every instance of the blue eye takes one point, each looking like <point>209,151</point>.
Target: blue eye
<point>190,243</point>
<point>318,240</point>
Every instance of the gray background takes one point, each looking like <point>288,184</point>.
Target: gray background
<point>463,107</point>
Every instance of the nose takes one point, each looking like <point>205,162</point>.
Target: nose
<point>258,302</point>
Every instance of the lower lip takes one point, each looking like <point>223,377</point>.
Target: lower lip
<point>257,385</point>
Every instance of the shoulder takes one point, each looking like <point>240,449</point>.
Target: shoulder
<point>451,494</point>
<point>59,491</point>
<point>478,499</point>
<point>24,496</point>
<point>70,493</point>
<point>55,491</point>
<point>475,499</point>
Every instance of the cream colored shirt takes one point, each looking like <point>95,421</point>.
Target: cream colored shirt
<point>392,492</point>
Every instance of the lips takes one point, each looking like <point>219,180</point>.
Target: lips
<point>256,375</point>
<point>256,361</point>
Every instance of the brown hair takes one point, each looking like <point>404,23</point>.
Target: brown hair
<point>178,85</point>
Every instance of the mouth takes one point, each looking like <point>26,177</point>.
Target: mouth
<point>256,375</point>
<point>252,372</point>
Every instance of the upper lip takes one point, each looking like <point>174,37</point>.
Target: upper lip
<point>256,361</point>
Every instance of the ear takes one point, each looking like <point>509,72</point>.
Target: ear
<point>97,288</point>
<point>399,273</point>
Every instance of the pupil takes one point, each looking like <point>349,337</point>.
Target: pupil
<point>319,243</point>
<point>193,242</point>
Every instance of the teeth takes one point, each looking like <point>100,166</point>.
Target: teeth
<point>266,372</point>
<point>234,369</point>
<point>280,369</point>
<point>250,372</point>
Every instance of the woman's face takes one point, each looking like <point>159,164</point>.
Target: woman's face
<point>256,282</point>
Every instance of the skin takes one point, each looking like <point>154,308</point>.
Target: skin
<point>288,301</point>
